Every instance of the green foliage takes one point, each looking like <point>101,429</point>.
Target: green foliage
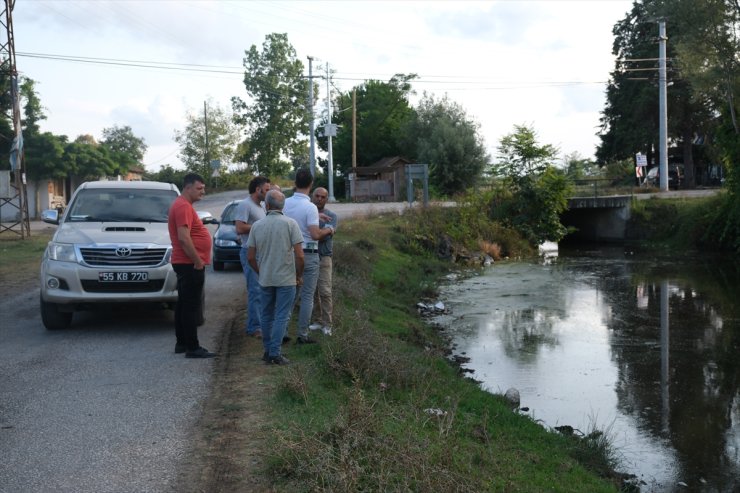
<point>704,73</point>
<point>277,116</point>
<point>33,112</point>
<point>88,161</point>
<point>448,140</point>
<point>44,156</point>
<point>124,148</point>
<point>723,231</point>
<point>354,413</point>
<point>710,224</point>
<point>521,155</point>
<point>220,133</point>
<point>167,174</point>
<point>578,168</point>
<point>533,192</point>
<point>383,115</point>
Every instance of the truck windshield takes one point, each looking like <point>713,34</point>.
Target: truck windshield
<point>119,205</point>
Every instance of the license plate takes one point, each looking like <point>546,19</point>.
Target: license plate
<point>123,276</point>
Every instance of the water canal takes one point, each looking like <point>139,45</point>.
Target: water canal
<point>645,348</point>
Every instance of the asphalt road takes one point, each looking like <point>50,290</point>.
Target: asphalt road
<point>106,406</point>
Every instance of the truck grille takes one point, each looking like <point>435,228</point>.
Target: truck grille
<point>122,287</point>
<point>123,256</point>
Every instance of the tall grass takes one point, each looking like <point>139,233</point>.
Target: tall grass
<point>378,407</point>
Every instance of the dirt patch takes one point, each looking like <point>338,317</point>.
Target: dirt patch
<point>231,437</point>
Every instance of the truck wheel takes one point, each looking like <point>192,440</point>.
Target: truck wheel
<point>218,265</point>
<point>53,318</point>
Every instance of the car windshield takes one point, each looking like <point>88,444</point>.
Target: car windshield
<point>229,214</point>
<point>121,205</point>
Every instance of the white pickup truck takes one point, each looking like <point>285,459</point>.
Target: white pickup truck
<point>112,246</point>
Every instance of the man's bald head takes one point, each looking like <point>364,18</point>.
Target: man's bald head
<point>275,200</point>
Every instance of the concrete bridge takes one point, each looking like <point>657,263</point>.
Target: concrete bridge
<point>604,218</point>
<point>598,218</point>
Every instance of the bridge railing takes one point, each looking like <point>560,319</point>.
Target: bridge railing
<point>600,187</point>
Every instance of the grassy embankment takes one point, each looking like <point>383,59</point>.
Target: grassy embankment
<point>377,407</point>
<point>20,258</point>
<point>679,224</point>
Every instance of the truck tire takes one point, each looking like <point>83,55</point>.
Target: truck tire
<point>53,318</point>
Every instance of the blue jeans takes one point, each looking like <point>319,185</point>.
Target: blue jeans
<point>277,304</point>
<point>310,279</point>
<point>254,293</point>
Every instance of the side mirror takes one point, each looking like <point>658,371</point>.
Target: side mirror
<point>50,216</point>
<point>207,217</point>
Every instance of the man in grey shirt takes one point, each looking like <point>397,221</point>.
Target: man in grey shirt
<point>248,212</point>
<point>274,251</point>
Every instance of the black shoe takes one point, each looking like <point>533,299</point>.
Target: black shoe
<point>265,357</point>
<point>277,360</point>
<point>305,340</point>
<point>180,348</point>
<point>286,339</point>
<point>201,352</point>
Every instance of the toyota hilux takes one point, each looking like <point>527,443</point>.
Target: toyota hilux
<point>112,246</point>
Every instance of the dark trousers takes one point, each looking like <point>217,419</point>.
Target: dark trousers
<point>189,309</point>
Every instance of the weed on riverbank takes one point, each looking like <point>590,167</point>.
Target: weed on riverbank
<point>377,407</point>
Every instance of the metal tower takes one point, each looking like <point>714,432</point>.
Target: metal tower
<point>14,197</point>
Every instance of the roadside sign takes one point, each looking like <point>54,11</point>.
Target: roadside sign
<point>641,159</point>
<point>215,163</point>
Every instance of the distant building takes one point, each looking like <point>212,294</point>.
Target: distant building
<point>383,181</point>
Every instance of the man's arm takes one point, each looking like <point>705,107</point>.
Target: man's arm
<point>319,234</point>
<point>252,259</point>
<point>186,242</point>
<point>298,252</point>
<point>242,228</point>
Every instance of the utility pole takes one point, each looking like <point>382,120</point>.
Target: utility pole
<point>354,130</point>
<point>663,107</point>
<point>330,132</point>
<point>311,152</point>
<point>205,126</point>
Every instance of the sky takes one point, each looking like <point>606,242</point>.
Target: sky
<point>147,64</point>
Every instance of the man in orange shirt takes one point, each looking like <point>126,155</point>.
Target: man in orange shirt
<point>191,252</point>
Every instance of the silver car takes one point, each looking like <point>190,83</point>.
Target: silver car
<point>112,246</point>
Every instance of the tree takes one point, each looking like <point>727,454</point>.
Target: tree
<point>578,168</point>
<point>87,159</point>
<point>44,156</point>
<point>277,119</point>
<point>222,138</point>
<point>520,155</point>
<point>708,59</point>
<point>533,192</point>
<point>383,117</point>
<point>448,140</point>
<point>630,119</point>
<point>124,148</point>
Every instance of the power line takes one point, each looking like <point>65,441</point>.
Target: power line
<point>239,71</point>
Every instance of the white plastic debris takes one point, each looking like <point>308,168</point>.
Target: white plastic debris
<point>435,411</point>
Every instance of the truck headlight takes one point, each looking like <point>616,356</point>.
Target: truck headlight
<point>61,252</point>
<point>226,243</point>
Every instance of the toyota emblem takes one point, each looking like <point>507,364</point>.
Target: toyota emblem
<point>123,251</point>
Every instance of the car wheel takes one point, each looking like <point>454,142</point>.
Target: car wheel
<point>218,265</point>
<point>53,318</point>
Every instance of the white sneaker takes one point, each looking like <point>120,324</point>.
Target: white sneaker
<point>327,330</point>
<point>315,327</point>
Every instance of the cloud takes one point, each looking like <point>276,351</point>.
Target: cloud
<point>502,22</point>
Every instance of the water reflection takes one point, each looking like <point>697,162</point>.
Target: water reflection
<point>645,346</point>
